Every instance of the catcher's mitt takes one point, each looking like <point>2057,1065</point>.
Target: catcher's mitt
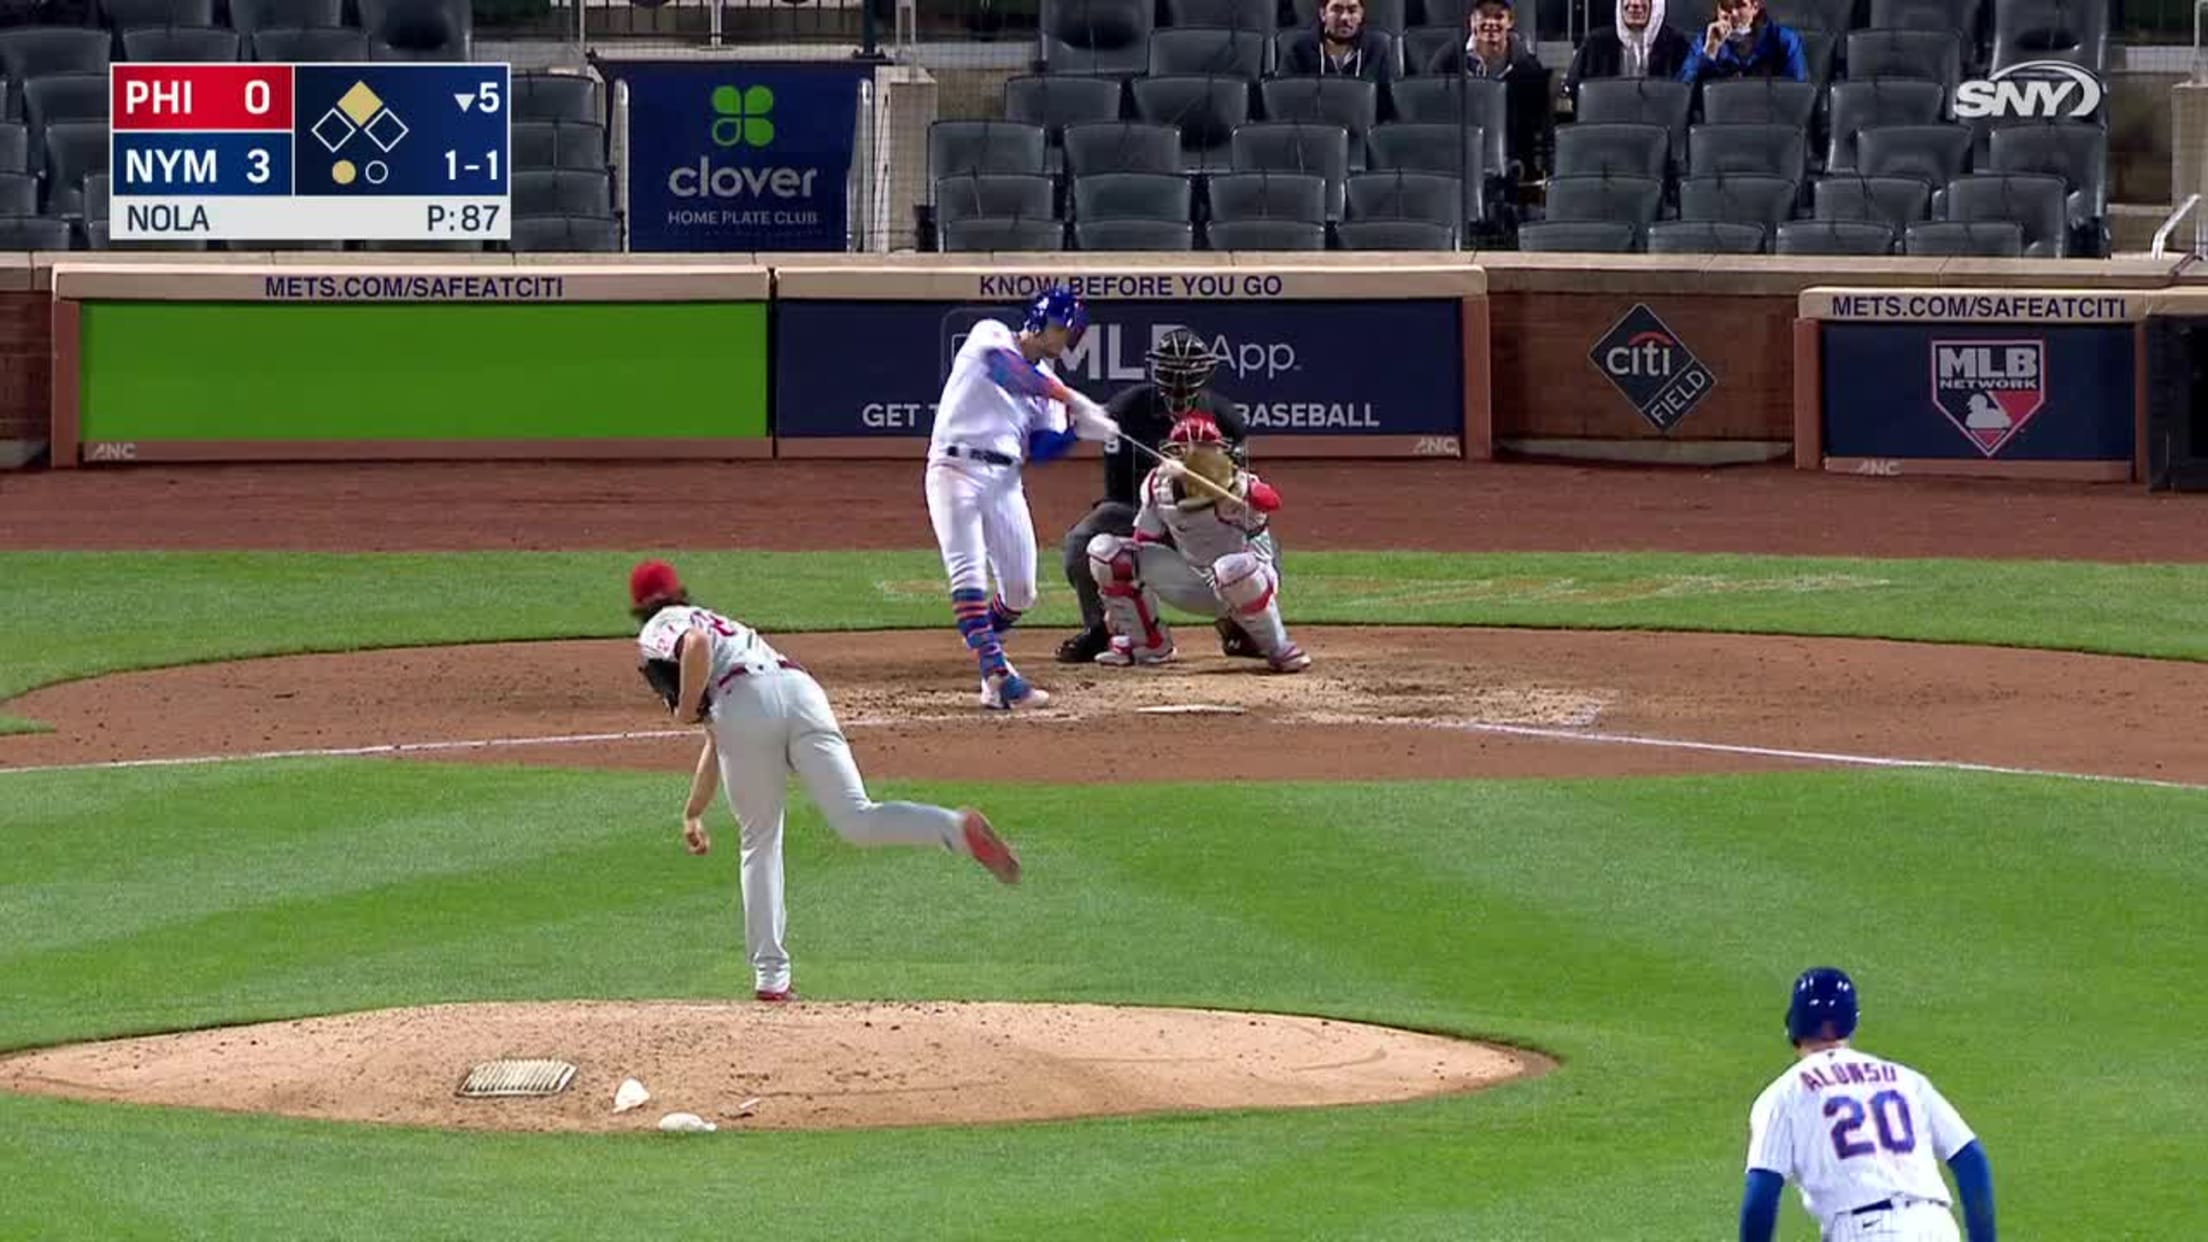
<point>1210,463</point>
<point>665,679</point>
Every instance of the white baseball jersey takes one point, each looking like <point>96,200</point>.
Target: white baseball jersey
<point>734,644</point>
<point>975,413</point>
<point>1219,529</point>
<point>1851,1129</point>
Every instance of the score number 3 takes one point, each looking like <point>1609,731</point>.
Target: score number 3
<point>1889,1113</point>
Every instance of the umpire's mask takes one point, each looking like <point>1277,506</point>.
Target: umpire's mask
<point>1180,365</point>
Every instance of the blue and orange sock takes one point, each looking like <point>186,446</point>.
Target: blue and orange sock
<point>1002,616</point>
<point>972,610</point>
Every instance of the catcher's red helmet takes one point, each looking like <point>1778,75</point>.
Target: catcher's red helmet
<point>651,581</point>
<point>1194,431</point>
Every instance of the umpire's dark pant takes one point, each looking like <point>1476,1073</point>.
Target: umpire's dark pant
<point>1107,518</point>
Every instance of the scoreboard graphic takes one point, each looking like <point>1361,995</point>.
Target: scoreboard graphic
<point>257,152</point>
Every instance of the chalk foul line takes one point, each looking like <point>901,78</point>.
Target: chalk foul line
<point>1537,732</point>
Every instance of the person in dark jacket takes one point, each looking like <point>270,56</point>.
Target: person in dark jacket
<point>1493,50</point>
<point>1181,367</point>
<point>1340,45</point>
<point>1640,46</point>
<point>1744,43</point>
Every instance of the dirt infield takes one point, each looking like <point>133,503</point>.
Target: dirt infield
<point>746,1066</point>
<point>814,505</point>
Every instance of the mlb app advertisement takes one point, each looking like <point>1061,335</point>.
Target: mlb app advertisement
<point>1306,368</point>
<point>2010,392</point>
<point>733,156</point>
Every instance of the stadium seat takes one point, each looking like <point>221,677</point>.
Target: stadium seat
<point>1125,235</point>
<point>1052,102</point>
<point>1442,149</point>
<point>579,145</point>
<point>130,14</point>
<point>433,30</point>
<point>1892,202</point>
<point>1202,52</point>
<point>1258,15</point>
<point>183,44</point>
<point>96,236</point>
<point>1758,101</point>
<point>15,147</point>
<point>1921,55</point>
<point>1857,106</point>
<point>988,194</point>
<point>309,45</point>
<point>18,194</point>
<point>1846,237</point>
<point>1430,197</point>
<point>1704,237</point>
<point>1134,196</point>
<point>1960,16</point>
<point>1390,16</point>
<point>1352,103</point>
<point>1818,49</point>
<point>1834,16</point>
<point>1647,101</point>
<point>1744,198</point>
<point>1205,110</point>
<point>549,192</point>
<point>2072,30</point>
<point>1122,146</point>
<point>1631,201</point>
<point>556,97</point>
<point>1293,147</point>
<point>1459,101</point>
<point>1629,150</point>
<point>2035,202</point>
<point>959,147</point>
<point>98,195</point>
<point>1422,44</point>
<point>1771,150</point>
<point>1272,234</point>
<point>33,233</point>
<point>2002,239</point>
<point>1267,196</point>
<point>1394,235</point>
<point>566,235</point>
<point>60,97</point>
<point>1579,236</point>
<point>1933,154</point>
<point>74,150</point>
<point>1000,233</point>
<point>2077,153</point>
<point>249,17</point>
<point>1107,38</point>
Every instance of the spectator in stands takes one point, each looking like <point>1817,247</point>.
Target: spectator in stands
<point>1743,43</point>
<point>1340,45</point>
<point>1492,49</point>
<point>1642,46</point>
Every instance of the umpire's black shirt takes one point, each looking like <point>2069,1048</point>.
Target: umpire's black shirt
<point>1143,414</point>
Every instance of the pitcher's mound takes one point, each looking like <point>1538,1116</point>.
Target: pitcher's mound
<point>801,1066</point>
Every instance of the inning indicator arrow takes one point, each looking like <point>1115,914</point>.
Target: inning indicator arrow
<point>466,99</point>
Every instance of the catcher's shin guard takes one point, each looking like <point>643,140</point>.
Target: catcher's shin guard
<point>1130,606</point>
<point>1247,586</point>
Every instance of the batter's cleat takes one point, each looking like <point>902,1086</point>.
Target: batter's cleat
<point>1008,691</point>
<point>1290,660</point>
<point>988,848</point>
<point>773,997</point>
<point>1236,642</point>
<point>1124,652</point>
<point>1084,646</point>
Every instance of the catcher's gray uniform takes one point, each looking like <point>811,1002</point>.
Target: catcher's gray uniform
<point>1210,557</point>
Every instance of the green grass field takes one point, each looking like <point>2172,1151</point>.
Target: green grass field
<point>2030,943</point>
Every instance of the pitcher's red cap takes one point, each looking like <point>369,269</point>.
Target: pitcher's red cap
<point>653,580</point>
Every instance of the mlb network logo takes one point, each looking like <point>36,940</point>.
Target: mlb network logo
<point>1989,389</point>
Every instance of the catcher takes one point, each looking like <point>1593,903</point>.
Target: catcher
<point>1181,367</point>
<point>765,718</point>
<point>1196,549</point>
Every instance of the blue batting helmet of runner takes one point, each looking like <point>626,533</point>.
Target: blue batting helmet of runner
<point>1062,306</point>
<point>1823,1006</point>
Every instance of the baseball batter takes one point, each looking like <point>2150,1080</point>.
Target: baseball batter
<point>1863,1137</point>
<point>765,718</point>
<point>1195,550</point>
<point>1001,407</point>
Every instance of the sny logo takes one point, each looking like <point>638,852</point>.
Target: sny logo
<point>1647,363</point>
<point>1989,389</point>
<point>741,117</point>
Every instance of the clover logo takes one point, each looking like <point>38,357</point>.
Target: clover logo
<point>741,116</point>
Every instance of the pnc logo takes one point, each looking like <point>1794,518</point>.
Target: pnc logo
<point>741,118</point>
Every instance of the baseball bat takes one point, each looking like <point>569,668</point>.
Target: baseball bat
<point>1161,459</point>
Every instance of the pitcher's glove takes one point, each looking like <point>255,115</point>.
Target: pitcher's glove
<point>665,679</point>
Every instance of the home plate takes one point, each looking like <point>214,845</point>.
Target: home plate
<point>1191,709</point>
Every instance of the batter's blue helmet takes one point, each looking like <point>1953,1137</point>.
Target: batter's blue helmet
<point>1058,305</point>
<point>1823,1006</point>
